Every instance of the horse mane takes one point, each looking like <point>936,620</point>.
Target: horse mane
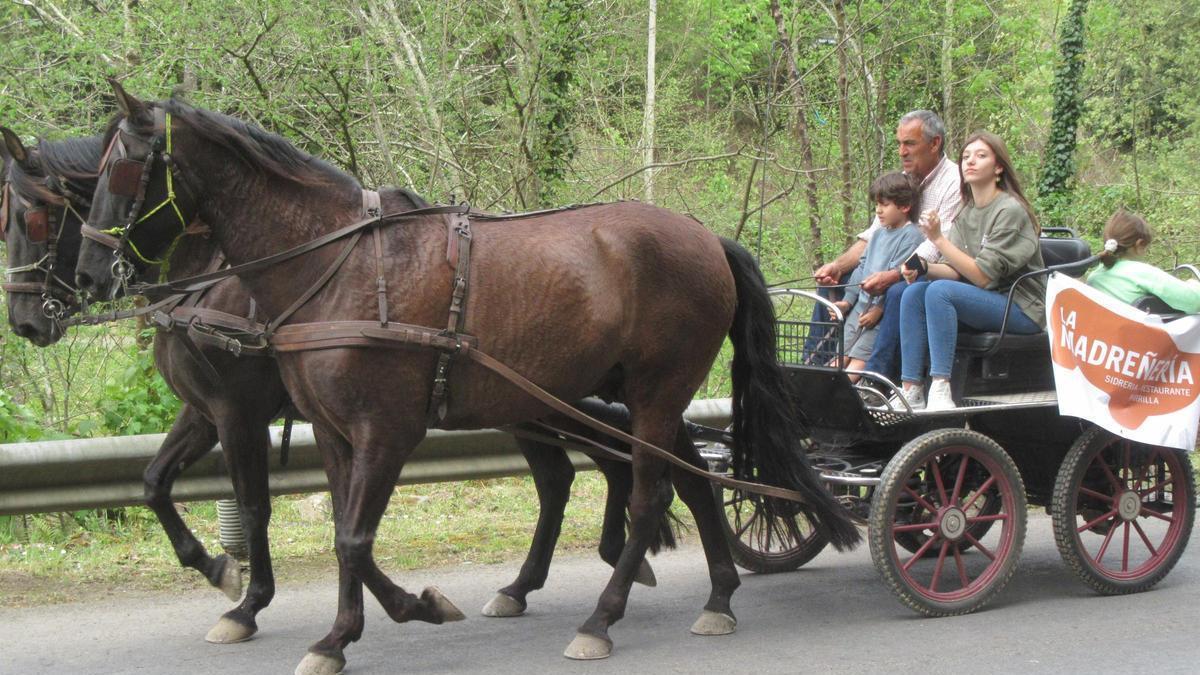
<point>73,161</point>
<point>258,149</point>
<point>417,200</point>
<point>28,179</point>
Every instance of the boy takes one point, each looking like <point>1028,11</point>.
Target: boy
<point>897,200</point>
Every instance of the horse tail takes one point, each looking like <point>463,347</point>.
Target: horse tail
<point>768,425</point>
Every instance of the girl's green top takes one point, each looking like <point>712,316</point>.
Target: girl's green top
<point>1128,280</point>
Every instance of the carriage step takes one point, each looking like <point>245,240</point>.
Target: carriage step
<point>1023,399</point>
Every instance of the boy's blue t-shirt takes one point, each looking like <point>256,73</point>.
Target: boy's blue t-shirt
<point>886,250</point>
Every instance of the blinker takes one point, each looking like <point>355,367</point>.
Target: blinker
<point>125,177</point>
<point>37,228</point>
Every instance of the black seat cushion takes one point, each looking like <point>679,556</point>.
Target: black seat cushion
<point>982,342</point>
<point>1059,251</point>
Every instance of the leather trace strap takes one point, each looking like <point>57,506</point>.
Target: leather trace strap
<point>343,334</point>
<point>560,406</point>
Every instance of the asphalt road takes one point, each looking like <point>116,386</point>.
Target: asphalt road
<point>834,615</point>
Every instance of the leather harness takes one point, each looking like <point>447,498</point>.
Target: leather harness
<point>451,342</point>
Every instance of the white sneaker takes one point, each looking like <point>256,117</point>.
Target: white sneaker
<point>939,396</point>
<point>915,395</point>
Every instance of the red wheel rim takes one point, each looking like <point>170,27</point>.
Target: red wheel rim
<point>943,498</point>
<point>1127,518</point>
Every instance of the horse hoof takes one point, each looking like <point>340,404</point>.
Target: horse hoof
<point>502,606</point>
<point>645,575</point>
<point>320,664</point>
<point>588,648</point>
<point>441,605</point>
<point>714,623</point>
<point>231,580</point>
<point>228,631</point>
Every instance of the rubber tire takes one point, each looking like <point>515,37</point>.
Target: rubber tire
<point>909,459</point>
<point>754,559</point>
<point>1063,509</point>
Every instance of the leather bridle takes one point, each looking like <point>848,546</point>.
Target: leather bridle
<point>57,294</point>
<point>135,174</point>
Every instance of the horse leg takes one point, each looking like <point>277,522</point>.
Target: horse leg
<point>552,475</point>
<point>326,656</point>
<point>696,492</point>
<point>651,496</point>
<point>372,475</point>
<point>619,479</point>
<point>247,444</point>
<point>375,473</point>
<point>190,438</point>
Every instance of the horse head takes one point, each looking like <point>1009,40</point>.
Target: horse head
<point>140,207</point>
<point>43,214</point>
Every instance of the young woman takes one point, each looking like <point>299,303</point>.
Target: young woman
<point>993,242</point>
<point>1123,276</point>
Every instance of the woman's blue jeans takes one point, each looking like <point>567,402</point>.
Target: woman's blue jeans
<point>930,312</point>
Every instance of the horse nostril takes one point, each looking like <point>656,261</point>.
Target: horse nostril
<point>25,330</point>
<point>83,281</point>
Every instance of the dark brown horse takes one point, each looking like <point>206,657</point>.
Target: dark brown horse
<point>627,301</point>
<point>54,183</point>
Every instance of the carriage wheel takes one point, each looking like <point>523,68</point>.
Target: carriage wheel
<point>932,488</point>
<point>1123,511</point>
<point>757,544</point>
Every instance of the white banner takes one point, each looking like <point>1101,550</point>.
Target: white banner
<point>1121,368</point>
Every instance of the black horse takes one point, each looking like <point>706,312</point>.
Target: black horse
<point>49,193</point>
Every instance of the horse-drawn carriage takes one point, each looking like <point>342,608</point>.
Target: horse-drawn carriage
<point>946,493</point>
<point>650,296</point>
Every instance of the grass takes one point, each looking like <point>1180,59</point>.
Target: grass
<point>61,557</point>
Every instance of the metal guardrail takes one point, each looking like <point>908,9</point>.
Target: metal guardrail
<point>107,472</point>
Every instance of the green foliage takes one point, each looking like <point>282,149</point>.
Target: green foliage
<point>1058,166</point>
<point>17,423</point>
<point>137,400</point>
<point>538,102</point>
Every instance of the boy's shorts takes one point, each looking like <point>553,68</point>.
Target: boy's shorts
<point>859,345</point>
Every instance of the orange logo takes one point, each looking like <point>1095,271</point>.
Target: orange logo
<point>1140,367</point>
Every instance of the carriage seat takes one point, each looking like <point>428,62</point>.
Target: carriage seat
<point>983,342</point>
<point>1061,251</point>
<point>1055,251</point>
<point>1001,362</point>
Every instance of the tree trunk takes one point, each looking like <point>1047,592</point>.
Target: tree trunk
<point>800,99</point>
<point>843,85</point>
<point>948,70</point>
<point>427,103</point>
<point>648,118</point>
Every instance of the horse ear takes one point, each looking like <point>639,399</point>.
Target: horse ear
<point>13,147</point>
<point>133,109</point>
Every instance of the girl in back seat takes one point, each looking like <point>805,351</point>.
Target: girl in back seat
<point>1123,276</point>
